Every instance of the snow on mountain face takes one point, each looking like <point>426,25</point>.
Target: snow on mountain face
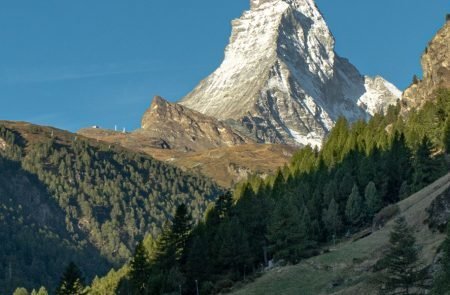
<point>283,81</point>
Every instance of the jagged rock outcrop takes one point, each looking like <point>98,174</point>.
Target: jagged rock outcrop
<point>436,71</point>
<point>282,80</point>
<point>185,129</point>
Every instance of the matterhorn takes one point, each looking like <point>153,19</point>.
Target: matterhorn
<point>282,80</point>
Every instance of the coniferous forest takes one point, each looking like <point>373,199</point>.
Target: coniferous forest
<point>321,197</point>
<point>66,198</point>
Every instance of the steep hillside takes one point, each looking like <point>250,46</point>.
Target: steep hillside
<point>348,267</point>
<point>192,141</point>
<point>282,80</point>
<point>102,197</point>
<point>225,165</point>
<point>36,244</point>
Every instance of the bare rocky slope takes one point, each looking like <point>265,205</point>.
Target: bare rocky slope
<point>190,140</point>
<point>282,80</point>
<point>436,70</point>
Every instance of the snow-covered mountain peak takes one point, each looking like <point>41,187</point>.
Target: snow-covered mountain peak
<point>282,79</point>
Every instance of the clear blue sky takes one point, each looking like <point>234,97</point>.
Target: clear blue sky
<point>72,64</point>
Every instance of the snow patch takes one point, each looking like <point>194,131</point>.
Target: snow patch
<point>311,138</point>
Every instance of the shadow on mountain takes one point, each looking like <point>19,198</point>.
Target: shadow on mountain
<point>35,244</point>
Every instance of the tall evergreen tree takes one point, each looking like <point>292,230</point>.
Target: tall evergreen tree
<point>234,252</point>
<point>72,281</point>
<point>397,167</point>
<point>180,231</point>
<point>354,207</point>
<point>140,270</point>
<point>404,273</point>
<point>286,233</point>
<point>426,169</point>
<point>372,199</point>
<point>171,253</point>
<point>441,285</point>
<point>198,264</point>
<point>332,219</point>
<point>253,212</point>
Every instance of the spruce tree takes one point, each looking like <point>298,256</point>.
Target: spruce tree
<point>72,281</point>
<point>234,252</point>
<point>332,219</point>
<point>198,264</point>
<point>285,231</point>
<point>404,273</point>
<point>180,231</point>
<point>426,169</point>
<point>441,284</point>
<point>397,167</point>
<point>372,199</point>
<point>140,270</point>
<point>354,207</point>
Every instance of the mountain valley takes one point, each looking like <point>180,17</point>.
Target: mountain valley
<point>285,171</point>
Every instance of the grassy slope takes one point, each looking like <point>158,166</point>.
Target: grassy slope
<point>350,263</point>
<point>225,165</point>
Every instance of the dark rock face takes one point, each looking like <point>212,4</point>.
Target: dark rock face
<point>178,127</point>
<point>439,212</point>
<point>436,71</point>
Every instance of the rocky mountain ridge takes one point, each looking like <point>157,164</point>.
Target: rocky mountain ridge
<point>436,70</point>
<point>282,80</point>
<point>183,128</point>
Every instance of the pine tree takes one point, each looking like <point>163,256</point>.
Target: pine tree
<point>332,219</point>
<point>441,285</point>
<point>198,263</point>
<point>171,245</point>
<point>234,252</point>
<point>397,167</point>
<point>354,207</point>
<point>404,273</point>
<point>372,199</point>
<point>285,231</point>
<point>180,231</point>
<point>72,281</point>
<point>426,169</point>
<point>140,268</point>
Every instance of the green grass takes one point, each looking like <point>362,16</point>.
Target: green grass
<point>350,263</point>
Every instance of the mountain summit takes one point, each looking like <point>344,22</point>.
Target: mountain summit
<point>282,79</point>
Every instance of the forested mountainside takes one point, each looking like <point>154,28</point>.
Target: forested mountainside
<point>88,198</point>
<point>36,244</point>
<point>320,197</point>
